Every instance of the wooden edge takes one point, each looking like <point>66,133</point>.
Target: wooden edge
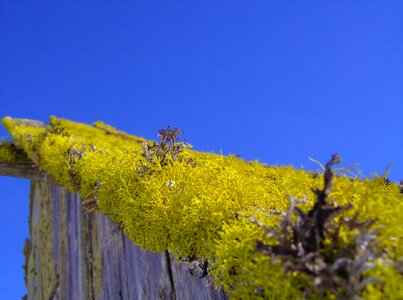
<point>22,167</point>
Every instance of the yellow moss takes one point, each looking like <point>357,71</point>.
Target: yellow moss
<point>26,136</point>
<point>112,131</point>
<point>196,205</point>
<point>9,153</point>
<point>246,274</point>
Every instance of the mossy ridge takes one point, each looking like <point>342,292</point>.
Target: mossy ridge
<point>199,209</point>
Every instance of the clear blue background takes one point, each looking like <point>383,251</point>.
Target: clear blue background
<point>278,81</point>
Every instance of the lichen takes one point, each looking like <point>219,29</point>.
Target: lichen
<point>199,204</point>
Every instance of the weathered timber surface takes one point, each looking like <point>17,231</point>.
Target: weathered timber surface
<point>73,255</point>
<point>23,168</point>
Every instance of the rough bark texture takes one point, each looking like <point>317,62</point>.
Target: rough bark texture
<point>73,255</point>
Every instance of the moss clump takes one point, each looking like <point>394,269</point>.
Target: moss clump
<point>198,205</point>
<point>9,152</point>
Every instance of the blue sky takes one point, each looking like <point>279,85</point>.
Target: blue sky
<point>277,81</point>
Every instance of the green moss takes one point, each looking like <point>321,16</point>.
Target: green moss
<point>200,208</point>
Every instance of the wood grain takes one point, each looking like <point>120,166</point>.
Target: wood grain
<point>73,255</point>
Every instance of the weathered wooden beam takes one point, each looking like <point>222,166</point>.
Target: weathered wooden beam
<point>74,255</point>
<point>23,169</point>
<point>20,166</point>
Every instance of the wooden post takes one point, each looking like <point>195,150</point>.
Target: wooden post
<point>73,255</point>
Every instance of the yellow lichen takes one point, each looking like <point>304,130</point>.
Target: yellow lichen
<point>199,204</point>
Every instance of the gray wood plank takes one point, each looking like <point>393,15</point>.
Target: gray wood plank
<point>73,255</point>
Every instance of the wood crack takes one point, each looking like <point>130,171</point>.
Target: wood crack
<point>170,274</point>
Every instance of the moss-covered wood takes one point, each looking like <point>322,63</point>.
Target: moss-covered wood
<point>14,162</point>
<point>199,206</point>
<point>74,255</point>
